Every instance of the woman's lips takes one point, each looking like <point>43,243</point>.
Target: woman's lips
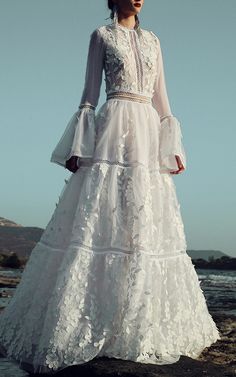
<point>137,5</point>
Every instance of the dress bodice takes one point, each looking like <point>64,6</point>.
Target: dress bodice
<point>130,59</point>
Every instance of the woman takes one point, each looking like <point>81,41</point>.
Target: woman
<point>110,275</point>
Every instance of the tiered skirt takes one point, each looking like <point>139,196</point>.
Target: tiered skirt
<point>110,275</point>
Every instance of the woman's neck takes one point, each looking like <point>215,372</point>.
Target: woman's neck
<point>128,22</point>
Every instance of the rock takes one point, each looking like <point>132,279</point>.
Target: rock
<point>10,282</point>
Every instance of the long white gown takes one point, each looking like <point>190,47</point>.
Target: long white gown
<point>110,275</point>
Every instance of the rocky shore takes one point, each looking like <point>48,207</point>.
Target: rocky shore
<point>219,360</point>
<point>9,282</point>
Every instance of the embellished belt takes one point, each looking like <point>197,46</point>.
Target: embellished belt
<point>130,96</point>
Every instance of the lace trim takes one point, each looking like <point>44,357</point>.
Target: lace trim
<point>131,96</point>
<point>115,250</point>
<point>138,62</point>
<point>82,105</point>
<point>165,116</point>
<point>123,164</point>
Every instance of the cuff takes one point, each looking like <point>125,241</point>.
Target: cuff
<point>78,138</point>
<point>171,144</point>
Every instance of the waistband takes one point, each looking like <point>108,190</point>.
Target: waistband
<point>130,96</point>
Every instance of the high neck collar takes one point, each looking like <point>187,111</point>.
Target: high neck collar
<point>126,28</point>
<point>136,28</point>
<point>117,25</point>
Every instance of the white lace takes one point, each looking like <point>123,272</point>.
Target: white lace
<point>87,291</point>
<point>123,53</point>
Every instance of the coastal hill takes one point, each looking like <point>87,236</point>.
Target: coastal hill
<point>206,254</point>
<point>15,238</point>
<point>6,222</point>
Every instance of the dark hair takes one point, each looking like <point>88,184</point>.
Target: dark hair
<point>110,5</point>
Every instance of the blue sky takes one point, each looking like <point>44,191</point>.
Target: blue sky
<point>43,55</point>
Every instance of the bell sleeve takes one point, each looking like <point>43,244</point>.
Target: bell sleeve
<point>78,138</point>
<point>170,130</point>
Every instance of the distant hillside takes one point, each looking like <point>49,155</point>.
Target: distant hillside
<point>17,238</point>
<point>6,222</point>
<point>205,254</point>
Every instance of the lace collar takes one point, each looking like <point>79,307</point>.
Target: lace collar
<point>117,25</point>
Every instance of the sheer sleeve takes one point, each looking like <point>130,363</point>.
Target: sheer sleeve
<point>78,138</point>
<point>170,132</point>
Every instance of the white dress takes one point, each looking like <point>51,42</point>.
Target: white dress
<point>110,275</point>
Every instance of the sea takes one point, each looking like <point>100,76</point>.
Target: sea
<point>219,288</point>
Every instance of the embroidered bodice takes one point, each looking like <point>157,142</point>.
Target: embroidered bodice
<point>132,65</point>
<point>132,62</point>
